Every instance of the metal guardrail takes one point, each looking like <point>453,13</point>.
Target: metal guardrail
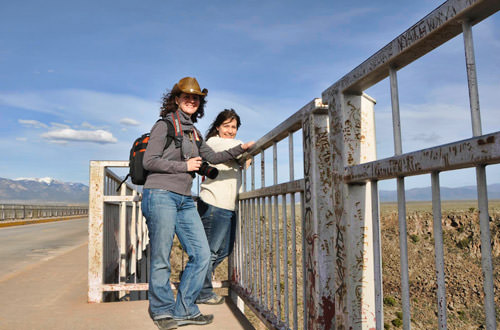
<point>118,237</point>
<point>340,227</point>
<point>31,211</point>
<point>311,246</point>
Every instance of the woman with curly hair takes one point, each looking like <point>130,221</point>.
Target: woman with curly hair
<point>169,208</point>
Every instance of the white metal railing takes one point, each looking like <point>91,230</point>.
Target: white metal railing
<point>340,223</point>
<point>310,248</point>
<point>32,211</point>
<point>118,237</point>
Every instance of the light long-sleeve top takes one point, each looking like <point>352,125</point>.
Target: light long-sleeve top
<point>223,191</point>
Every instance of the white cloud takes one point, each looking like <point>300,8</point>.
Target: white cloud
<point>69,135</point>
<point>83,105</point>
<point>32,123</point>
<point>59,125</point>
<point>22,139</point>
<point>129,122</point>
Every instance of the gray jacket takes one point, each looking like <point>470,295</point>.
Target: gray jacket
<point>168,168</point>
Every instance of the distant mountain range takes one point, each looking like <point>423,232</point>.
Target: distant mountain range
<point>48,190</point>
<point>425,194</point>
<point>44,190</point>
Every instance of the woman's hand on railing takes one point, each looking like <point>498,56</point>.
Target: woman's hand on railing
<point>248,145</point>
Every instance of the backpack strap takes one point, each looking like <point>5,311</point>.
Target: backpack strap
<point>174,131</point>
<point>197,137</point>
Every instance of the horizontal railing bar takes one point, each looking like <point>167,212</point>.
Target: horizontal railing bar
<point>112,175</point>
<point>128,198</point>
<point>279,189</point>
<point>290,125</point>
<point>145,286</point>
<point>439,26</point>
<point>109,163</point>
<point>480,150</point>
<point>266,316</point>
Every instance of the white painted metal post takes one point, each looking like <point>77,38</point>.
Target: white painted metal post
<point>319,232</point>
<point>96,204</point>
<point>353,142</point>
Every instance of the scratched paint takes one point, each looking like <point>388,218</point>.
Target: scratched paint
<point>439,26</point>
<point>352,142</point>
<point>319,223</point>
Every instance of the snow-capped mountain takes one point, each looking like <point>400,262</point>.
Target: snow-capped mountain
<point>42,190</point>
<point>46,180</point>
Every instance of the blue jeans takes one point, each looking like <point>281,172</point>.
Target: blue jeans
<point>168,213</point>
<point>220,228</point>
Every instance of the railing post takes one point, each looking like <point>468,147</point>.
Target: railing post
<point>352,142</point>
<point>319,225</point>
<point>96,208</point>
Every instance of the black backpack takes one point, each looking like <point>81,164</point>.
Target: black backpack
<point>137,173</point>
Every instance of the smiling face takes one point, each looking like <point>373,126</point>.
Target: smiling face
<point>188,103</point>
<point>228,129</point>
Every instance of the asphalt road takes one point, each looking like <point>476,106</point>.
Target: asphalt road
<point>22,247</point>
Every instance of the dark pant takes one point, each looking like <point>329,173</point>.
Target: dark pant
<point>220,228</point>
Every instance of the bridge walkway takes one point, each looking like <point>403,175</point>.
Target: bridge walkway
<point>53,295</point>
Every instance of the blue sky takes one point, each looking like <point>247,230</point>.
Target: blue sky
<point>80,80</point>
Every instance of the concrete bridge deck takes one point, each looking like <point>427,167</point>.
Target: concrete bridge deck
<point>52,294</point>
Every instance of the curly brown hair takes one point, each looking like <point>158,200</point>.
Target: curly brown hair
<point>168,105</point>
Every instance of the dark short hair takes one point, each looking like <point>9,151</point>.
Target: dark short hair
<point>222,117</point>
<point>168,105</point>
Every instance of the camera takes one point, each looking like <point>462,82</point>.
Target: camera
<point>208,171</point>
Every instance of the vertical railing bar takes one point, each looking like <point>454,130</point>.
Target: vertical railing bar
<point>403,246</point>
<point>271,268</point>
<point>244,179</point>
<point>470,62</point>
<point>133,239</point>
<point>285,259</point>
<point>277,257</point>
<point>244,236</point>
<point>277,245</point>
<point>377,254</point>
<point>294,261</point>
<point>398,150</point>
<point>123,237</point>
<point>439,250</point>
<point>259,248</point>
<point>248,253</point>
<point>303,226</point>
<point>252,230</point>
<point>265,219</point>
<point>396,122</point>
<point>239,263</point>
<point>253,255</point>
<point>294,231</point>
<point>486,257</point>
